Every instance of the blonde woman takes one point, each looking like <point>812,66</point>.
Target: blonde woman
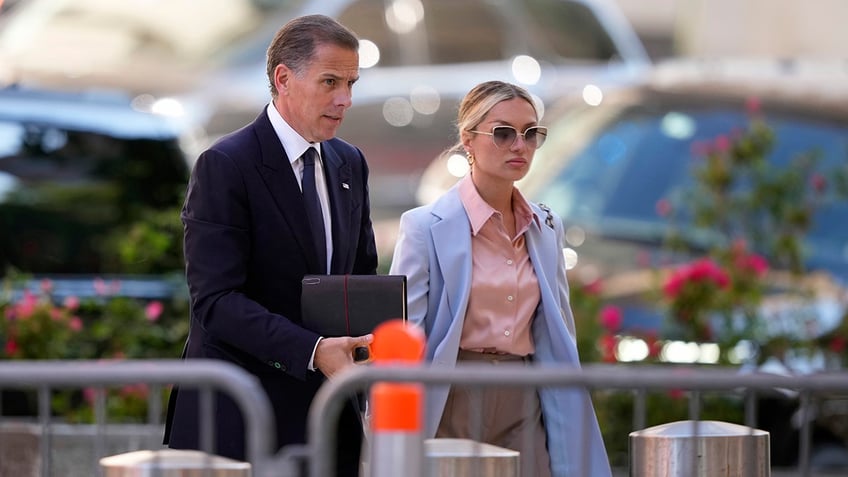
<point>487,284</point>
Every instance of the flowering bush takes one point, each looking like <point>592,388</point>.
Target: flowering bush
<point>694,289</point>
<point>739,200</point>
<point>108,326</point>
<point>35,328</point>
<point>733,268</point>
<point>599,326</point>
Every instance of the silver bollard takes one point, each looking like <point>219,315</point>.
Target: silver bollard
<point>700,449</point>
<point>172,463</point>
<point>465,457</point>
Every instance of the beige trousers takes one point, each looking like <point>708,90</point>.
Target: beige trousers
<point>501,416</point>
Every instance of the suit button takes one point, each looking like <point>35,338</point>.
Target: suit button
<point>277,365</point>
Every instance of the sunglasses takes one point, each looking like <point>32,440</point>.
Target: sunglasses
<point>505,136</point>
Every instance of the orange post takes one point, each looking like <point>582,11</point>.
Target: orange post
<point>397,445</point>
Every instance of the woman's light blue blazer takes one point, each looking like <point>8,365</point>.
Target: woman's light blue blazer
<point>434,252</point>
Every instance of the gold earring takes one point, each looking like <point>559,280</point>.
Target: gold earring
<point>470,158</point>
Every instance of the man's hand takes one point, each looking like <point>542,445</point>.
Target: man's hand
<point>335,354</point>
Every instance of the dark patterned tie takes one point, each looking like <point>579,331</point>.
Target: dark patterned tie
<point>313,208</point>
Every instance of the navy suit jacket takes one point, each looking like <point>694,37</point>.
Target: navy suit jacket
<point>247,247</point>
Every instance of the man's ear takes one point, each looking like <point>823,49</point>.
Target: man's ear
<point>282,75</point>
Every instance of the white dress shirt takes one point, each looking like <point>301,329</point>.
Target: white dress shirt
<point>295,145</point>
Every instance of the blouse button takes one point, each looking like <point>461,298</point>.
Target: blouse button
<point>509,298</point>
<point>509,262</point>
<point>506,333</point>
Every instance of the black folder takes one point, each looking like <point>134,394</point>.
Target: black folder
<point>351,305</point>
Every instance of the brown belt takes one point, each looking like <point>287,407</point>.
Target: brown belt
<point>490,356</point>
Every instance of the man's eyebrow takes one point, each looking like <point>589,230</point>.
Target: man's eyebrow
<point>339,77</point>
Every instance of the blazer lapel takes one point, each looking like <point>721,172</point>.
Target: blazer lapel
<point>279,177</point>
<point>541,251</point>
<point>452,243</point>
<point>338,175</point>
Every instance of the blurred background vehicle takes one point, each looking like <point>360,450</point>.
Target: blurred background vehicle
<point>418,58</point>
<point>608,169</point>
<point>76,170</point>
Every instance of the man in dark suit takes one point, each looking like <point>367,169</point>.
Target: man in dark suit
<point>248,242</point>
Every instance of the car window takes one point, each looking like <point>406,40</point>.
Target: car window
<point>614,182</point>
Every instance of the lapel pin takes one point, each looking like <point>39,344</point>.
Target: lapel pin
<point>345,185</point>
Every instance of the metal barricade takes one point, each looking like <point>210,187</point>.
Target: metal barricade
<point>207,376</point>
<point>636,379</point>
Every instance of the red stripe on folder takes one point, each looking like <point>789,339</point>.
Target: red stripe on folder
<point>346,307</point>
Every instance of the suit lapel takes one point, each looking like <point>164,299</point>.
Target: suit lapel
<point>338,175</point>
<point>279,177</point>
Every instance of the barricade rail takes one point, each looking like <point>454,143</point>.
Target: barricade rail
<point>639,379</point>
<point>205,375</point>
<point>247,393</point>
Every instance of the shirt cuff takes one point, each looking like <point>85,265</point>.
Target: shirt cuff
<point>311,365</point>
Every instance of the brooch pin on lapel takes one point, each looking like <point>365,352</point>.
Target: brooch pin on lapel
<point>345,185</point>
<point>549,220</point>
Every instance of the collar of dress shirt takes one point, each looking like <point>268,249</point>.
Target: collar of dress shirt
<point>479,211</point>
<point>293,143</point>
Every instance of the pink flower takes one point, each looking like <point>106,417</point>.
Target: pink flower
<point>753,105</point>
<point>663,207</point>
<point>611,318</point>
<point>674,284</point>
<point>739,246</point>
<point>702,270</point>
<point>837,344</point>
<point>75,324</point>
<point>135,390</point>
<point>103,288</point>
<point>71,303</point>
<point>722,144</point>
<point>753,263</point>
<point>89,395</point>
<point>607,344</point>
<point>153,310</point>
<point>56,314</point>
<point>11,347</point>
<point>654,345</point>
<point>818,182</point>
<point>46,285</point>
<point>594,288</point>
<point>707,270</point>
<point>26,307</point>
